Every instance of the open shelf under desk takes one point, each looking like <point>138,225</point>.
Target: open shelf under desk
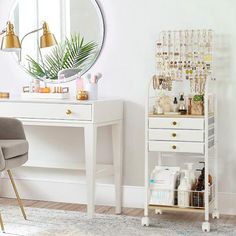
<point>101,169</point>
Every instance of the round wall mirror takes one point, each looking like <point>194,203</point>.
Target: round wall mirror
<point>60,39</point>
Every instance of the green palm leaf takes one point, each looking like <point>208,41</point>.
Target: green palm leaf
<point>72,53</point>
<point>34,68</point>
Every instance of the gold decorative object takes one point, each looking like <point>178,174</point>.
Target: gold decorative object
<point>82,95</point>
<point>4,95</point>
<point>10,41</point>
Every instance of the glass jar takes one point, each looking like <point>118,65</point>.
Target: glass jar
<point>82,95</point>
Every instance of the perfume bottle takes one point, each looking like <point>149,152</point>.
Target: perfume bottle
<point>182,106</point>
<point>175,105</point>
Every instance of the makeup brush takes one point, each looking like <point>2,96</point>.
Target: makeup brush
<point>88,77</point>
<point>98,77</point>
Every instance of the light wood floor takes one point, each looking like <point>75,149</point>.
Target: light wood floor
<point>224,219</point>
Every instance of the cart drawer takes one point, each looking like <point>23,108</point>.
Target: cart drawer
<point>189,147</point>
<point>176,135</point>
<point>176,123</point>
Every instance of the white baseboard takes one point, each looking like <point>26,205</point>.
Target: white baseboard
<point>70,192</point>
<point>75,192</point>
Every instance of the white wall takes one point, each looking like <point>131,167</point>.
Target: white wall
<point>87,16</point>
<point>128,61</point>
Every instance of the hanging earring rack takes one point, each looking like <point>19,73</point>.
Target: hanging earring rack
<point>185,55</point>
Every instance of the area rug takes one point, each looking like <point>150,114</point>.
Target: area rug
<point>47,222</point>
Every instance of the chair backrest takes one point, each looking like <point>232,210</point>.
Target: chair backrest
<point>11,128</point>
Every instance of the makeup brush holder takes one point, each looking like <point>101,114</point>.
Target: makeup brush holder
<point>92,89</point>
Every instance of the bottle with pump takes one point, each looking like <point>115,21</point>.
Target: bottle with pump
<point>191,174</point>
<point>184,191</point>
<point>198,196</point>
<point>182,106</point>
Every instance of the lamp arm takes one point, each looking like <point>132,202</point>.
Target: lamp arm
<point>31,32</point>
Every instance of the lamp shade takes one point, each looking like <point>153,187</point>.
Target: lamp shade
<point>10,41</point>
<point>47,39</point>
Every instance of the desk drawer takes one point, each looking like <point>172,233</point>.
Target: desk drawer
<point>46,111</point>
<point>176,135</point>
<point>189,147</point>
<point>176,123</point>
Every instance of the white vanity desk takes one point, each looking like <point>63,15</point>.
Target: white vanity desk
<point>71,113</point>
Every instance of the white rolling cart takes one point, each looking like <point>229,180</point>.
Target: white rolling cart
<point>177,136</point>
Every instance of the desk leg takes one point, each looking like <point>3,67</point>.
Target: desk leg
<point>90,135</point>
<point>117,162</point>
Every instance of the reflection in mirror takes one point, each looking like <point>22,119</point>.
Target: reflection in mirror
<point>79,31</point>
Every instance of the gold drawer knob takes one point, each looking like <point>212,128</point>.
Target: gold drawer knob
<point>68,112</point>
<point>174,135</point>
<point>174,147</point>
<point>174,123</point>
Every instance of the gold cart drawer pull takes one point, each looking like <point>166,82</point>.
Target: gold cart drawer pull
<point>174,147</point>
<point>174,123</point>
<point>68,112</point>
<point>174,135</point>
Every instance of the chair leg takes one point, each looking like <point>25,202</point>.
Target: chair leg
<point>17,194</point>
<point>1,223</point>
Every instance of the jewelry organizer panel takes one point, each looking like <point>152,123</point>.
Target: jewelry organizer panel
<point>182,56</point>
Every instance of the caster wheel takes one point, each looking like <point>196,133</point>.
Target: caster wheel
<point>145,221</point>
<point>206,227</point>
<point>158,212</point>
<point>215,215</point>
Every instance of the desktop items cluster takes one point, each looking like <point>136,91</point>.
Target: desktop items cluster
<point>86,89</point>
<point>182,105</point>
<point>36,87</point>
<point>184,55</point>
<point>174,186</point>
<point>39,89</point>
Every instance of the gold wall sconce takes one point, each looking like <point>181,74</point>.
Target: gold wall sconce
<point>11,42</point>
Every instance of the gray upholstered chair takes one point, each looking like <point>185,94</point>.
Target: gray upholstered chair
<point>13,151</point>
